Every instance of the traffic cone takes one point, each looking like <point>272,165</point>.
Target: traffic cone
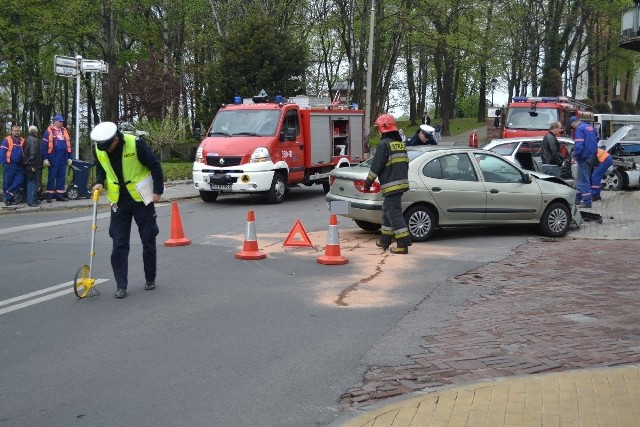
<point>177,235</point>
<point>250,246</point>
<point>332,251</point>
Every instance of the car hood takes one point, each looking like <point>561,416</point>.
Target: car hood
<point>619,135</point>
<point>549,178</point>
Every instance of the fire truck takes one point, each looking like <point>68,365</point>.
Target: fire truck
<point>262,146</point>
<point>531,116</point>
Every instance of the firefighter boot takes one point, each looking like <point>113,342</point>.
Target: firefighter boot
<point>381,244</point>
<point>399,250</point>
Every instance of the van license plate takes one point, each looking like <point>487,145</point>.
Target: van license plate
<point>216,187</point>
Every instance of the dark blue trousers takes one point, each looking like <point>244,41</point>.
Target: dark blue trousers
<point>122,215</point>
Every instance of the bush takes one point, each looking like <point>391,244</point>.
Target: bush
<point>602,108</point>
<point>618,106</point>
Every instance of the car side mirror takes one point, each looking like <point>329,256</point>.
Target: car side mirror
<point>526,178</point>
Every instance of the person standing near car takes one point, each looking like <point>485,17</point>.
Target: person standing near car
<point>11,157</point>
<point>551,157</point>
<point>584,151</point>
<point>604,162</point>
<point>423,136</point>
<point>390,165</point>
<point>127,167</point>
<point>56,155</point>
<point>473,139</point>
<point>32,165</point>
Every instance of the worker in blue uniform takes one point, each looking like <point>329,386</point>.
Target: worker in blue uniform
<point>11,158</point>
<point>132,176</point>
<point>585,148</point>
<point>56,155</point>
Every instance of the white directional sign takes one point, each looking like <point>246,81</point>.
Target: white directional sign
<point>99,66</point>
<point>66,61</point>
<point>65,71</point>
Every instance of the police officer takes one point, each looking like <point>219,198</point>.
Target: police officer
<point>56,155</point>
<point>423,136</point>
<point>124,166</point>
<point>390,165</point>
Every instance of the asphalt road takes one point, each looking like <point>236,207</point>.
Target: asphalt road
<point>221,341</point>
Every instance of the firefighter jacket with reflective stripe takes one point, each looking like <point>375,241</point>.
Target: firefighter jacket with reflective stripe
<point>133,171</point>
<point>65,134</point>
<point>12,155</point>
<point>391,166</point>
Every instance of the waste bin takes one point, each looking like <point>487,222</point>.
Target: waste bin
<point>79,187</point>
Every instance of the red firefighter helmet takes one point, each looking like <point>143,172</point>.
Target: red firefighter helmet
<point>386,123</point>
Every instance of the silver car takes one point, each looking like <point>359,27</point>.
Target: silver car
<point>624,147</point>
<point>458,187</point>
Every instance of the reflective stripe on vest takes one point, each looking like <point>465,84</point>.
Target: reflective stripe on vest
<point>602,155</point>
<point>66,138</point>
<point>132,171</point>
<point>9,140</point>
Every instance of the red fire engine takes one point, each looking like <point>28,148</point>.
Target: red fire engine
<point>262,146</point>
<point>531,116</point>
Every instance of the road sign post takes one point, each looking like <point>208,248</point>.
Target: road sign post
<point>69,66</point>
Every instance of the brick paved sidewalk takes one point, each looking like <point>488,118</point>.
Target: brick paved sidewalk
<point>552,306</point>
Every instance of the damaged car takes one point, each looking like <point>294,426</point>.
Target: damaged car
<point>624,147</point>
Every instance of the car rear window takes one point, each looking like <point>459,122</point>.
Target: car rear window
<point>505,149</point>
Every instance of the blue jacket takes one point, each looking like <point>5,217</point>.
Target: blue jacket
<point>586,142</point>
<point>16,152</point>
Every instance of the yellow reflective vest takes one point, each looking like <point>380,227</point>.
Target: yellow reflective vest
<point>132,171</point>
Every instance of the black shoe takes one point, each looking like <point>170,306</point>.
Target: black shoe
<point>120,293</point>
<point>149,286</point>
<point>48,200</point>
<point>596,198</point>
<point>381,245</point>
<point>7,202</point>
<point>399,250</point>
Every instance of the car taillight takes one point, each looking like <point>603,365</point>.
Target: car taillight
<point>331,179</point>
<point>359,184</point>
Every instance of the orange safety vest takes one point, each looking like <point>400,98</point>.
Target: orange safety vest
<point>602,155</point>
<point>66,137</point>
<point>9,140</point>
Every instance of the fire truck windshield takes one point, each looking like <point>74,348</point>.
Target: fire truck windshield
<point>525,118</point>
<point>245,123</point>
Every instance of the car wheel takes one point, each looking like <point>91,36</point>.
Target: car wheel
<point>366,225</point>
<point>555,220</point>
<point>421,223</point>
<point>613,180</point>
<point>209,196</point>
<point>276,192</point>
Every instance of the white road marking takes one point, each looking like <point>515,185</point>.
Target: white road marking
<point>40,299</point>
<point>20,228</point>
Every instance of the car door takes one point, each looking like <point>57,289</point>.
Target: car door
<point>509,197</point>
<point>452,182</point>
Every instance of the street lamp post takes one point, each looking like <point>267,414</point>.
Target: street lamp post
<point>494,81</point>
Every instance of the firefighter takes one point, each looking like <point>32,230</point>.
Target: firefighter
<point>11,157</point>
<point>390,165</point>
<point>604,162</point>
<point>56,155</point>
<point>125,164</point>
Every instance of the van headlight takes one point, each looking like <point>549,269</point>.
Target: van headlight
<point>260,154</point>
<point>199,158</point>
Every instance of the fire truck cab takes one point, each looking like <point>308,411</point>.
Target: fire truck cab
<point>531,116</point>
<point>264,146</point>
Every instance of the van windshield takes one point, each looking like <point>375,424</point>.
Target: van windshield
<point>245,123</point>
<point>524,118</point>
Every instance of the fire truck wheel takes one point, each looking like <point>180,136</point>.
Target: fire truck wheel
<point>276,192</point>
<point>208,196</point>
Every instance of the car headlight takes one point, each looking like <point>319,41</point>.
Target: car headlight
<point>260,154</point>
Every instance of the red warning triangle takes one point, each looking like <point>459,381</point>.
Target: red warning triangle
<point>297,236</point>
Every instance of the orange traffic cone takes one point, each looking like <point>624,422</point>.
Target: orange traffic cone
<point>177,235</point>
<point>250,246</point>
<point>332,252</point>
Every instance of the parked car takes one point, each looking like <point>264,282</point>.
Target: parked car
<point>526,152</point>
<point>624,147</point>
<point>459,187</point>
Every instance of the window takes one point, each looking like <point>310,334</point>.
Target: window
<point>291,122</point>
<point>455,167</point>
<point>495,169</point>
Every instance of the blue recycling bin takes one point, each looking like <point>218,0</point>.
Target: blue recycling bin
<point>80,188</point>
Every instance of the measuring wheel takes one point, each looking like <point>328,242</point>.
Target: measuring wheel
<point>83,283</point>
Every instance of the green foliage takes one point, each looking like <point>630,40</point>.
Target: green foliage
<point>602,108</point>
<point>618,106</point>
<point>468,107</point>
<point>551,83</point>
<point>164,134</point>
<point>631,108</point>
<point>177,171</point>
